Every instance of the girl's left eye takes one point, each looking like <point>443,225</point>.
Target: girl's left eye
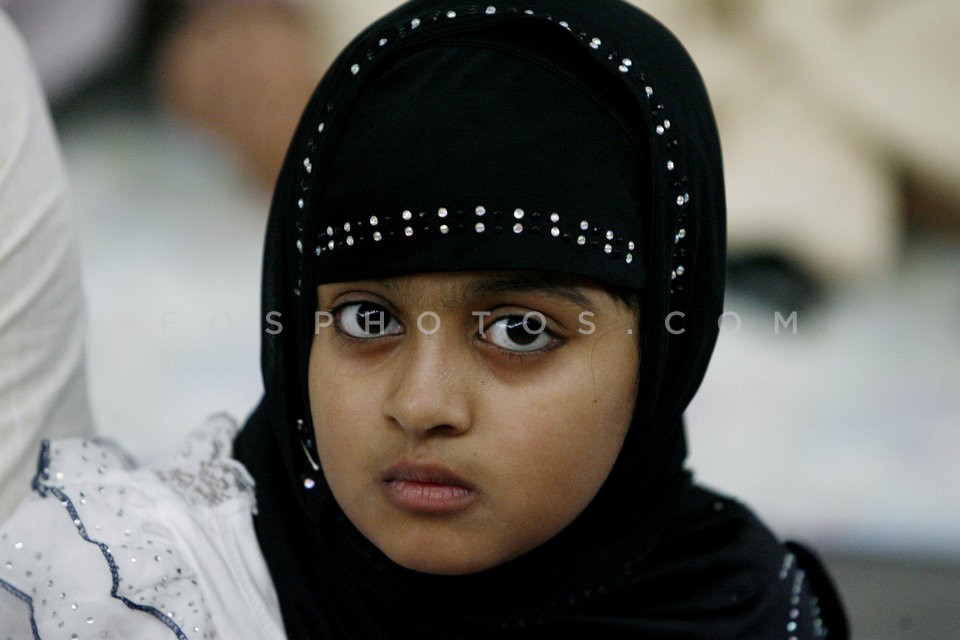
<point>523,334</point>
<point>366,320</point>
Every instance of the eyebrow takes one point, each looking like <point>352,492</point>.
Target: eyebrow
<point>532,284</point>
<point>542,284</point>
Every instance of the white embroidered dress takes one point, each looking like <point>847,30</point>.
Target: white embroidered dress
<point>105,550</point>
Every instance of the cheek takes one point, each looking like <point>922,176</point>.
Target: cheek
<point>340,411</point>
<point>564,444</point>
<point>339,393</point>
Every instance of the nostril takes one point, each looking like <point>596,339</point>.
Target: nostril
<point>444,430</point>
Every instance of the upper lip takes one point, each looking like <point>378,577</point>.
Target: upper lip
<point>423,471</point>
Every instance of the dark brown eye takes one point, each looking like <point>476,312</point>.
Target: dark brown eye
<point>520,333</point>
<point>523,331</point>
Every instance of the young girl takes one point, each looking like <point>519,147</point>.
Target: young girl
<point>493,273</point>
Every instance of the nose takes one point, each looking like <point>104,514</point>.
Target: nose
<point>430,388</point>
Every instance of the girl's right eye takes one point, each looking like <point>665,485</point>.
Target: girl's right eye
<point>366,320</point>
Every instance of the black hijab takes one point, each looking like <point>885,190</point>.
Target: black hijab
<point>556,135</point>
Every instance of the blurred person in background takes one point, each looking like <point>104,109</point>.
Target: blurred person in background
<point>839,128</point>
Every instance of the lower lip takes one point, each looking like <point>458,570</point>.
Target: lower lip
<point>428,497</point>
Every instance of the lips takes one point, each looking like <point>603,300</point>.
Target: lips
<point>426,487</point>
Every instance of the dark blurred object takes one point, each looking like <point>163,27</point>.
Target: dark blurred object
<point>772,279</point>
<point>930,206</point>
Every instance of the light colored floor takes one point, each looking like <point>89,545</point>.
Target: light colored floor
<point>890,598</point>
<point>844,435</point>
<point>848,432</point>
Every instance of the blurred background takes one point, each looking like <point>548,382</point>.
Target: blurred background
<point>833,401</point>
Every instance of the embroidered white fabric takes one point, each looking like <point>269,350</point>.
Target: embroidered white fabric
<point>103,550</point>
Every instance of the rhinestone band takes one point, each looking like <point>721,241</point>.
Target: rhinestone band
<point>407,224</point>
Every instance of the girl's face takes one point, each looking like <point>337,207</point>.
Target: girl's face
<point>454,434</point>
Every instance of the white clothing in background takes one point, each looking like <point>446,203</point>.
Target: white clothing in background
<point>42,378</point>
<point>103,550</point>
<point>70,41</point>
